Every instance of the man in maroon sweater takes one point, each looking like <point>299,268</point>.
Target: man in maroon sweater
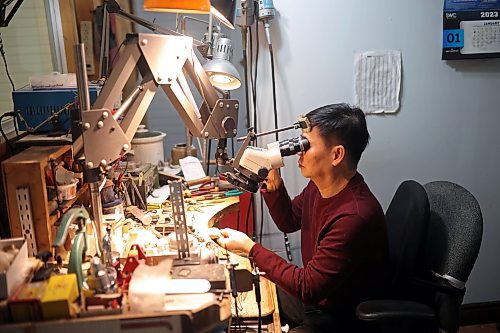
<point>343,235</point>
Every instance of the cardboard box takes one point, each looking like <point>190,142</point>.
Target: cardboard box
<point>60,293</point>
<point>15,275</point>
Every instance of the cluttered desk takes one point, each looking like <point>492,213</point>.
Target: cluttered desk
<point>138,281</point>
<point>112,248</point>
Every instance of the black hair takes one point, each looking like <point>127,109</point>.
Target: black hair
<point>346,125</point>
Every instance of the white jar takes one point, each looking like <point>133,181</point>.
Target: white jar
<point>148,146</point>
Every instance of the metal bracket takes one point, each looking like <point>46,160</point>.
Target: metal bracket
<point>25,216</point>
<point>179,216</point>
<point>223,120</point>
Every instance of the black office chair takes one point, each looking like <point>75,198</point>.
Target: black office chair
<point>436,286</point>
<point>456,223</point>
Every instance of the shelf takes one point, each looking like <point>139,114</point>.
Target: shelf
<point>66,205</point>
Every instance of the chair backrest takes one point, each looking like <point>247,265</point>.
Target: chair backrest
<point>406,218</point>
<point>453,242</point>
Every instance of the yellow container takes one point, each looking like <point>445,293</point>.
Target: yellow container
<point>60,293</point>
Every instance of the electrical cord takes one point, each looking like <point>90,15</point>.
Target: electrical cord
<point>256,65</point>
<point>275,109</point>
<point>245,61</point>
<point>111,64</point>
<point>2,52</point>
<point>15,127</point>
<point>254,99</point>
<point>261,218</point>
<point>258,296</point>
<point>234,290</point>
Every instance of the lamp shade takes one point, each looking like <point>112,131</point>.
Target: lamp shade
<point>220,71</point>
<point>225,11</point>
<point>178,6</point>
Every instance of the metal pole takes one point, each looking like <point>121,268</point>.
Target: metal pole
<point>95,197</point>
<point>81,77</point>
<point>84,99</point>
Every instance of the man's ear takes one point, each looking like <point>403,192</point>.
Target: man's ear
<point>338,154</point>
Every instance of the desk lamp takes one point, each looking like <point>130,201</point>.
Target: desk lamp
<point>221,72</point>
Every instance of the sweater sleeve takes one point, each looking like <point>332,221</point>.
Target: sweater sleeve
<point>338,255</point>
<point>286,213</point>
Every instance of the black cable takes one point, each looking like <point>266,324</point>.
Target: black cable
<point>258,300</point>
<point>111,64</point>
<point>254,98</point>
<point>261,218</point>
<point>2,52</point>
<point>273,77</point>
<point>250,65</point>
<point>238,213</point>
<point>275,108</point>
<point>254,231</point>
<point>247,222</point>
<point>255,79</point>
<point>245,67</point>
<point>14,120</point>
<point>209,144</point>
<point>234,289</point>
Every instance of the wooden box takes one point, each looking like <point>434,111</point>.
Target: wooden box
<point>26,171</point>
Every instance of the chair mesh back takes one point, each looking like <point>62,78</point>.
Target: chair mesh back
<point>455,233</point>
<point>406,218</point>
<point>456,229</point>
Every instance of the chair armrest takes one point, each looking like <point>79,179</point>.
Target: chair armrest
<point>393,311</point>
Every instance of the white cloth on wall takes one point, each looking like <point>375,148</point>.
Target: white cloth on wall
<point>377,81</point>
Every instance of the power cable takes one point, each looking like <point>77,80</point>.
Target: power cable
<point>2,52</point>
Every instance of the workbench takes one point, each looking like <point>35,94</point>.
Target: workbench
<point>208,314</point>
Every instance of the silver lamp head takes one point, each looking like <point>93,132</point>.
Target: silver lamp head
<point>220,70</point>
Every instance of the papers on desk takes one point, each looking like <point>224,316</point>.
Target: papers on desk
<point>159,196</point>
<point>191,168</point>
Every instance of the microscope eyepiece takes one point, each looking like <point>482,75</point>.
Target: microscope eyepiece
<point>293,146</point>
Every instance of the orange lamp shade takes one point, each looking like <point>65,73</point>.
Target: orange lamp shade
<point>178,6</point>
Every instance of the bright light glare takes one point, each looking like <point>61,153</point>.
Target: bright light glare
<point>220,78</point>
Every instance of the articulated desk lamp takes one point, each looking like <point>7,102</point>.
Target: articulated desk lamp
<point>217,48</point>
<point>220,70</point>
<point>164,60</point>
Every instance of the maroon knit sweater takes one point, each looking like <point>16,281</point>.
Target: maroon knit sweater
<point>344,246</point>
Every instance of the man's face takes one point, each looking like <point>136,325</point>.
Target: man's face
<point>317,160</point>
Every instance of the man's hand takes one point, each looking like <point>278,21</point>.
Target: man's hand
<point>273,181</point>
<point>234,240</point>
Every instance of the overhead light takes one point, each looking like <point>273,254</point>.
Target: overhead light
<point>178,6</point>
<point>221,72</point>
<point>225,11</point>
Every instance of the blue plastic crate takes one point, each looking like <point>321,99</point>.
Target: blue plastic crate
<point>37,105</point>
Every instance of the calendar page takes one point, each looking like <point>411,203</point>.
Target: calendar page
<point>471,29</point>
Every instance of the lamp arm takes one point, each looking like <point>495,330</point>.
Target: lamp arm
<point>114,8</point>
<point>163,61</point>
